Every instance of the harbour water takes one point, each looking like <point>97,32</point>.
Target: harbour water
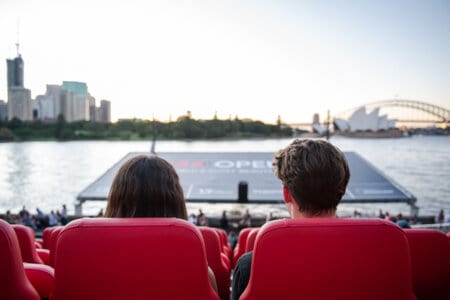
<point>50,174</point>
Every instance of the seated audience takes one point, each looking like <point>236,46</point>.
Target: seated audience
<point>314,175</point>
<point>148,186</point>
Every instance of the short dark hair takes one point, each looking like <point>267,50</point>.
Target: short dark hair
<point>315,172</point>
<point>146,186</point>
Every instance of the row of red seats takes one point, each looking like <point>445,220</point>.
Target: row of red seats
<point>216,243</point>
<point>125,258</point>
<point>246,242</point>
<point>336,251</point>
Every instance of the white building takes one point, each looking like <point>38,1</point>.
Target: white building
<point>80,97</point>
<point>19,104</point>
<point>105,111</point>
<point>44,106</point>
<point>362,121</point>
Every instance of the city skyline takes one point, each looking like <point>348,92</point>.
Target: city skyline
<point>293,59</point>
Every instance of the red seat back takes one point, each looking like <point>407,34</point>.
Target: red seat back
<point>52,244</point>
<point>430,259</point>
<point>330,259</point>
<point>13,281</point>
<point>41,277</point>
<point>251,240</point>
<point>25,235</point>
<point>241,244</point>
<point>224,241</point>
<point>216,261</point>
<point>46,234</point>
<point>139,258</point>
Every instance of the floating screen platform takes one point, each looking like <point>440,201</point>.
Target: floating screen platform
<point>215,177</point>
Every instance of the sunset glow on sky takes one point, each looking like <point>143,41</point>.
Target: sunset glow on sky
<point>254,59</point>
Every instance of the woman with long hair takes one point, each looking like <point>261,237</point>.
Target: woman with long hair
<point>148,186</point>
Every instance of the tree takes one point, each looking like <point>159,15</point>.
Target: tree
<point>15,123</point>
<point>60,130</point>
<point>6,134</point>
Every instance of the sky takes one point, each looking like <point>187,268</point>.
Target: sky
<point>254,59</point>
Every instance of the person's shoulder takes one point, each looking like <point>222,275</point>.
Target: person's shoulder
<point>245,261</point>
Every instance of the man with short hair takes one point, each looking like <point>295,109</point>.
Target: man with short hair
<point>314,174</point>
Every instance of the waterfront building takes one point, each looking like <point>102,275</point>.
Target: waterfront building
<point>360,120</point>
<point>53,93</point>
<point>67,105</point>
<point>317,127</point>
<point>80,96</point>
<point>71,100</point>
<point>19,104</point>
<point>43,108</point>
<point>15,72</point>
<point>105,111</point>
<point>3,110</point>
<point>19,98</point>
<point>92,109</point>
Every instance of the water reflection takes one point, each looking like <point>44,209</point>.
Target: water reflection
<point>19,169</point>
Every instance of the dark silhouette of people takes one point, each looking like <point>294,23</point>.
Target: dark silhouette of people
<point>246,220</point>
<point>440,218</point>
<point>26,218</point>
<point>202,219</point>
<point>223,223</point>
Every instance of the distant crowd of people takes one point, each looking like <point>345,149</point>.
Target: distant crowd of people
<point>39,220</point>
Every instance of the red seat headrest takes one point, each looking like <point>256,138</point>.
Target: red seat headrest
<point>430,259</point>
<point>13,281</point>
<point>330,259</point>
<point>139,258</point>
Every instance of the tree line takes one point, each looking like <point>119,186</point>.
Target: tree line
<point>185,127</point>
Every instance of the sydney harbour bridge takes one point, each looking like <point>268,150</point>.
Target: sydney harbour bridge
<point>408,113</point>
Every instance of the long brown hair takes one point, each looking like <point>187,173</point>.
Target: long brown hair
<point>146,186</point>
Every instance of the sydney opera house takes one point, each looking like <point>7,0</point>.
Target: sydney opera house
<point>362,123</point>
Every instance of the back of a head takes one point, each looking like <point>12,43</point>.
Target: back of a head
<point>146,186</point>
<point>315,172</point>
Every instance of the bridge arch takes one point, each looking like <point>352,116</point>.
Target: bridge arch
<point>440,114</point>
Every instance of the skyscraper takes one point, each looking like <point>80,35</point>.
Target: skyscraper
<point>80,96</point>
<point>105,111</point>
<point>3,110</point>
<point>19,98</point>
<point>15,72</point>
<point>19,104</point>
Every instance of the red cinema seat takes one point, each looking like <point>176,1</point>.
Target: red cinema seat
<point>225,249</point>
<point>224,241</point>
<point>52,243</point>
<point>138,258</point>
<point>46,234</point>
<point>241,244</point>
<point>38,243</point>
<point>42,277</point>
<point>430,260</point>
<point>251,239</point>
<point>330,259</point>
<point>216,261</point>
<point>14,283</point>
<point>25,235</point>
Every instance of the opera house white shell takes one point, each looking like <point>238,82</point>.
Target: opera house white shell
<point>362,121</point>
